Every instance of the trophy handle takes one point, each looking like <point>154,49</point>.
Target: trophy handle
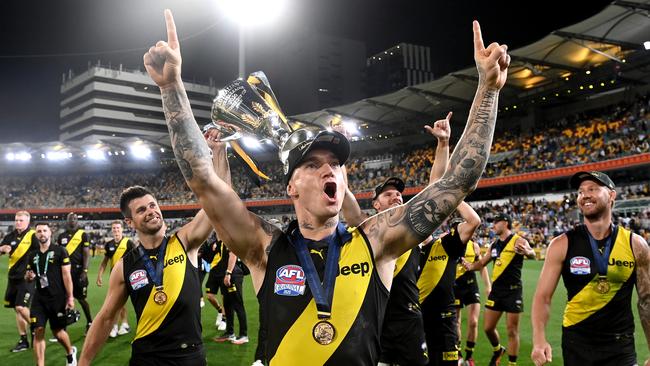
<point>230,133</point>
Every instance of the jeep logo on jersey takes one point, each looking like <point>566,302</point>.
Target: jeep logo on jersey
<point>177,259</point>
<point>616,262</point>
<point>138,279</point>
<point>290,280</point>
<point>356,268</point>
<point>437,258</point>
<point>580,266</point>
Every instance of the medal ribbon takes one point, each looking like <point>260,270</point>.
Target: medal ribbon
<point>322,293</point>
<point>37,258</point>
<point>155,273</point>
<point>602,259</point>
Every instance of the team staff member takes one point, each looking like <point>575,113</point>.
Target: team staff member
<point>114,249</point>
<point>467,294</point>
<point>77,242</point>
<point>214,251</point>
<point>508,253</point>
<point>161,277</point>
<point>344,327</point>
<point>18,244</point>
<point>599,264</point>
<point>402,336</point>
<point>436,282</point>
<point>49,268</point>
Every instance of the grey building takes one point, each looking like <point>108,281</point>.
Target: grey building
<point>398,67</point>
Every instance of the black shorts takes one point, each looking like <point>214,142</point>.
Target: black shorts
<point>215,280</point>
<point>441,330</point>
<point>598,350</point>
<point>79,287</point>
<point>466,293</point>
<point>19,293</point>
<point>403,342</point>
<point>508,300</point>
<point>192,356</point>
<point>46,309</point>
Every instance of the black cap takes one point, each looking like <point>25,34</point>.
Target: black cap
<point>332,141</point>
<point>502,217</point>
<point>392,181</point>
<point>598,177</point>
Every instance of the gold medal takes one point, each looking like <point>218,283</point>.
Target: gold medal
<point>497,262</point>
<point>160,297</point>
<point>324,332</point>
<point>602,286</point>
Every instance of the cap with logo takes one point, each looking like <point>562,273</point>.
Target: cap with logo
<point>502,217</point>
<point>304,141</point>
<point>392,181</point>
<point>598,177</point>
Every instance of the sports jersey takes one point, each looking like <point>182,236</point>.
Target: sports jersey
<point>115,251</point>
<point>21,245</point>
<point>74,241</point>
<point>506,274</point>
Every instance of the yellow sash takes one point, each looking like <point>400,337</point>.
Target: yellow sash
<point>74,242</point>
<point>119,251</point>
<point>22,248</point>
<point>506,256</point>
<point>433,269</point>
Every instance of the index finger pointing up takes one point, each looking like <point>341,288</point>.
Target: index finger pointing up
<point>172,38</point>
<point>478,37</point>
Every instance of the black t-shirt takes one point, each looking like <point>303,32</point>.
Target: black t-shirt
<point>217,254</point>
<point>48,264</point>
<point>74,251</point>
<point>19,253</point>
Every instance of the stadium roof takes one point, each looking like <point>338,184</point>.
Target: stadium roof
<point>600,54</point>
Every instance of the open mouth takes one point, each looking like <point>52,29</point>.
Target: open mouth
<point>330,189</point>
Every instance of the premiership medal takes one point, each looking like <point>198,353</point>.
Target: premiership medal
<point>497,262</point>
<point>324,332</point>
<point>602,286</point>
<point>160,297</point>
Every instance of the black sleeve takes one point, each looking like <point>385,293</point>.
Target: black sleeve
<point>30,260</point>
<point>129,246</point>
<point>7,239</point>
<point>85,241</point>
<point>453,245</point>
<point>64,258</point>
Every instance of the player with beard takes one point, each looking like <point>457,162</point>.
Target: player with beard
<point>18,244</point>
<point>402,336</point>
<point>161,276</point>
<point>508,253</point>
<point>49,268</point>
<point>599,263</point>
<point>115,249</point>
<point>338,323</point>
<point>76,241</point>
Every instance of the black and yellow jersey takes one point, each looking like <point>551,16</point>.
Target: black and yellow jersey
<point>403,301</point>
<point>358,305</point>
<point>587,310</point>
<point>176,324</point>
<point>506,274</point>
<point>21,245</point>
<point>438,263</point>
<point>115,251</point>
<point>463,276</point>
<point>216,253</point>
<point>74,242</point>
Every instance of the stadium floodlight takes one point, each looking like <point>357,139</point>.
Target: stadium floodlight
<point>251,142</point>
<point>646,45</point>
<point>140,151</point>
<point>57,155</point>
<point>242,11</point>
<point>94,154</point>
<point>350,127</point>
<point>19,156</point>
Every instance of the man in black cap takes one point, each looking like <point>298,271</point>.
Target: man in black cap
<point>338,321</point>
<point>508,253</point>
<point>599,263</point>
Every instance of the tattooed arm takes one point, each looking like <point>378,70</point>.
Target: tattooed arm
<point>642,258</point>
<point>246,234</point>
<point>442,131</point>
<point>394,231</point>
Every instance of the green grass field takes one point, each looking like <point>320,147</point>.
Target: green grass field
<point>117,351</point>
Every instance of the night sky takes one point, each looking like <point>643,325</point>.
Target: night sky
<point>41,40</point>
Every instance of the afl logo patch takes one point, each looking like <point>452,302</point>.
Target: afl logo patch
<point>290,280</point>
<point>580,266</point>
<point>138,279</point>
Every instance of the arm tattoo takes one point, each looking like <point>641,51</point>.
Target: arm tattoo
<point>190,149</point>
<point>643,285</point>
<point>426,211</point>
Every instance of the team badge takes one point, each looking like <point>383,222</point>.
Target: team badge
<point>290,280</point>
<point>138,279</point>
<point>580,266</point>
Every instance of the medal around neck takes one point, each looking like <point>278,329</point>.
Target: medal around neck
<point>602,285</point>
<point>160,297</point>
<point>324,332</point>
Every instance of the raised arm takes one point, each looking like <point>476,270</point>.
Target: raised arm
<point>642,258</point>
<point>542,352</point>
<point>394,231</point>
<point>442,131</point>
<point>472,221</point>
<point>351,210</point>
<point>246,233</point>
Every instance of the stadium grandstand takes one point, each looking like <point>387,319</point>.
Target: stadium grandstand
<point>575,100</point>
